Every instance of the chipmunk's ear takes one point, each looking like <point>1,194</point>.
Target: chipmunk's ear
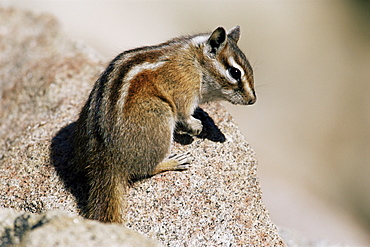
<point>216,41</point>
<point>234,33</point>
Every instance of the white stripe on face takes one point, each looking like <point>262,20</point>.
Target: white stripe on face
<point>235,65</point>
<point>246,84</point>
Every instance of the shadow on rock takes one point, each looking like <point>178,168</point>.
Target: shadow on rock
<point>61,156</point>
<point>210,130</point>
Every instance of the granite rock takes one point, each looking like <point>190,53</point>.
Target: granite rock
<point>57,228</point>
<point>45,79</point>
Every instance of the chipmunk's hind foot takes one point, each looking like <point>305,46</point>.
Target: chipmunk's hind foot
<point>175,162</point>
<point>183,160</point>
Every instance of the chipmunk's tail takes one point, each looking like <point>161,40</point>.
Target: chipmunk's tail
<point>107,196</point>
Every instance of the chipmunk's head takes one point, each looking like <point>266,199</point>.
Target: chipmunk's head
<point>227,74</point>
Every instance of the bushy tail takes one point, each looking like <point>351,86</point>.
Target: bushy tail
<point>107,196</point>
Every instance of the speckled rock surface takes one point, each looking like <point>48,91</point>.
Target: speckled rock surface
<point>57,228</point>
<point>45,79</point>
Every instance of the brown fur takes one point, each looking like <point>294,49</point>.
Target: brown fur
<point>125,130</point>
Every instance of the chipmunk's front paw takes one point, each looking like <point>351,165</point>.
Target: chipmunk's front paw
<point>195,126</point>
<point>191,126</point>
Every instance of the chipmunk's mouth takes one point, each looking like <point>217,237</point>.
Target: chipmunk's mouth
<point>242,101</point>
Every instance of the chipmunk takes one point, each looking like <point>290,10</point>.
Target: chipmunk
<point>125,129</point>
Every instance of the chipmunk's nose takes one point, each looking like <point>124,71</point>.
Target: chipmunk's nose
<point>253,98</point>
<point>252,101</point>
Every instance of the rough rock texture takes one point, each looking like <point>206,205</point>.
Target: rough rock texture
<point>56,228</point>
<point>44,80</point>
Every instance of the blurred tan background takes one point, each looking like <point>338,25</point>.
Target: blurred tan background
<point>310,125</point>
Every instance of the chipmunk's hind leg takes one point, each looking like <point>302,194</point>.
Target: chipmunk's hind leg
<point>175,162</point>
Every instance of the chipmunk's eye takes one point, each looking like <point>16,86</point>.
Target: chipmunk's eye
<point>235,73</point>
